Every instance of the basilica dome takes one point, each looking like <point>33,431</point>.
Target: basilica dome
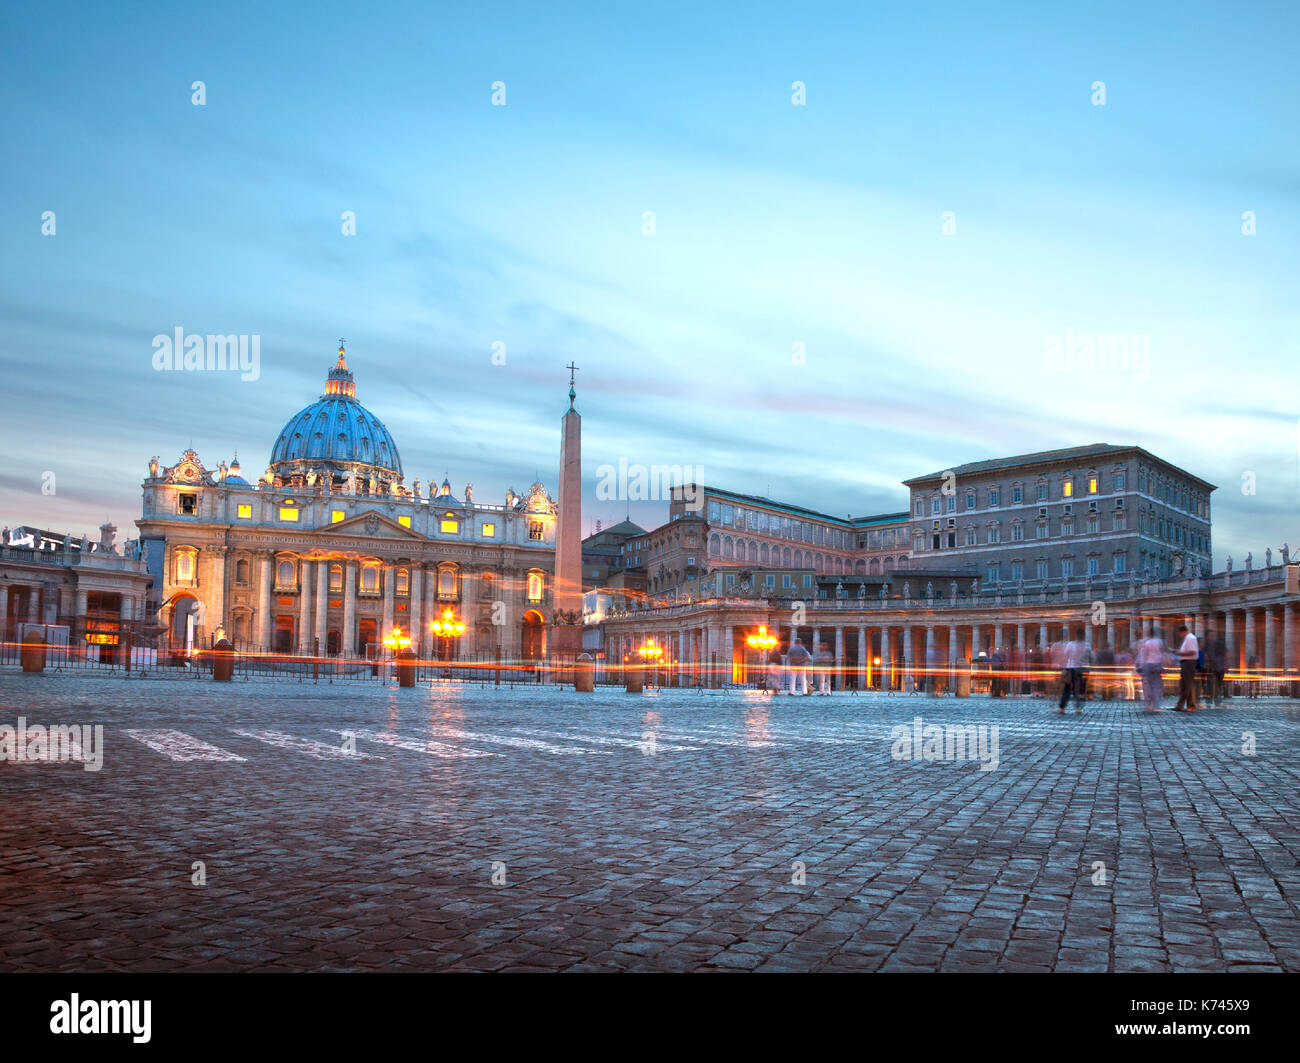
<point>335,438</point>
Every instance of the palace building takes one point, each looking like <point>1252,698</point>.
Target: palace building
<point>331,549</point>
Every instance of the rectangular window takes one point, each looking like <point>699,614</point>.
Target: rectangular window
<point>1067,567</point>
<point>995,534</point>
<point>188,504</point>
<point>489,530</point>
<point>1094,566</point>
<point>405,522</point>
<point>970,536</point>
<point>1121,564</point>
<point>786,581</point>
<point>449,526</point>
<point>1067,489</point>
<point>1120,480</point>
<point>1017,495</point>
<point>536,530</point>
<point>337,516</point>
<point>1042,492</point>
<point>1092,485</point>
<point>1017,532</point>
<point>807,581</point>
<point>1041,531</point>
<point>934,505</point>
<point>970,499</point>
<point>245,512</point>
<point>1017,571</point>
<point>289,514</point>
<point>995,496</point>
<point>991,576</point>
<point>952,504</point>
<point>1041,569</point>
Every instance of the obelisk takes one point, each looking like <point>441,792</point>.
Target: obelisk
<point>567,629</point>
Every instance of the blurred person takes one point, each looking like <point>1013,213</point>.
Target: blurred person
<point>797,663</point>
<point>1075,656</point>
<point>1188,652</point>
<point>1150,663</point>
<point>825,664</point>
<point>1106,666</point>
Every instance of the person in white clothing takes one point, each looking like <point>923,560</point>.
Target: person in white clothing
<point>1150,665</point>
<point>1188,651</point>
<point>1076,658</point>
<point>797,662</point>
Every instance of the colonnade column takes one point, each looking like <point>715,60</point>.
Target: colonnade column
<point>263,642</point>
<point>1249,621</point>
<point>1231,649</point>
<point>886,658</point>
<point>349,636</point>
<point>864,658</point>
<point>414,614</point>
<point>322,606</point>
<point>390,589</point>
<point>838,679</point>
<point>907,653</point>
<point>1270,637</point>
<point>305,570</point>
<point>1288,636</point>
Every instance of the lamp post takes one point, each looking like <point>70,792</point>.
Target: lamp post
<point>398,643</point>
<point>650,654</point>
<point>447,627</point>
<point>763,642</point>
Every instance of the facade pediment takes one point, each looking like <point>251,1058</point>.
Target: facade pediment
<point>373,525</point>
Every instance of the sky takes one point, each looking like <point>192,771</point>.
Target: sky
<point>808,302</point>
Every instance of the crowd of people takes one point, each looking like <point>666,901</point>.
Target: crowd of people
<point>1070,670</point>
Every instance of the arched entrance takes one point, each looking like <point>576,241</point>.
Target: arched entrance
<point>183,624</point>
<point>283,634</point>
<point>533,636</point>
<point>367,634</point>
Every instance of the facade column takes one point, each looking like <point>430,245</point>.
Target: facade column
<point>997,637</point>
<point>389,574</point>
<point>1230,640</point>
<point>34,605</point>
<point>305,571</point>
<point>349,634</point>
<point>907,654</point>
<point>1020,639</point>
<point>975,637</point>
<point>414,615</point>
<point>1250,634</point>
<point>4,612</point>
<point>263,640</point>
<point>1042,635</point>
<point>886,658</point>
<point>322,606</point>
<point>864,658</point>
<point>728,655</point>
<point>837,676</point>
<point>1270,638</point>
<point>1289,661</point>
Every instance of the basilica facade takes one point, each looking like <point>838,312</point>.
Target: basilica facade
<point>330,549</point>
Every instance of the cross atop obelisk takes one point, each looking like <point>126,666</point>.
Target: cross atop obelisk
<point>572,394</point>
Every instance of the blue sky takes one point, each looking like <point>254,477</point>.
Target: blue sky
<point>775,225</point>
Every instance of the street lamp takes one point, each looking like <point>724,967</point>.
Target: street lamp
<point>395,640</point>
<point>447,627</point>
<point>650,653</point>
<point>763,642</point>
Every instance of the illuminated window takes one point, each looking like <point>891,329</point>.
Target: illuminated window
<point>245,512</point>
<point>188,504</point>
<point>289,513</point>
<point>534,586</point>
<point>370,579</point>
<point>185,567</point>
<point>489,531</point>
<point>336,577</point>
<point>449,525</point>
<point>1092,485</point>
<point>336,516</point>
<point>1067,489</point>
<point>403,582</point>
<point>536,530</point>
<point>447,582</point>
<point>284,575</point>
<point>405,522</point>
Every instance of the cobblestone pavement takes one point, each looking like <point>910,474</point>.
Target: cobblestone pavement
<point>655,832</point>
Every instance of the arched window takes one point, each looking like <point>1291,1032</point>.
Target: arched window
<point>185,566</point>
<point>447,581</point>
<point>785,557</point>
<point>535,586</point>
<point>370,579</point>
<point>284,576</point>
<point>764,554</point>
<point>241,573</point>
<point>487,586</point>
<point>403,582</point>
<point>336,577</point>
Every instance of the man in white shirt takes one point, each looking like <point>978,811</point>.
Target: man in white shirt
<point>1188,651</point>
<point>1077,655</point>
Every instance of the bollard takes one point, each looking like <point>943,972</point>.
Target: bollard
<point>33,653</point>
<point>584,674</point>
<point>406,668</point>
<point>963,685</point>
<point>223,661</point>
<point>635,675</point>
